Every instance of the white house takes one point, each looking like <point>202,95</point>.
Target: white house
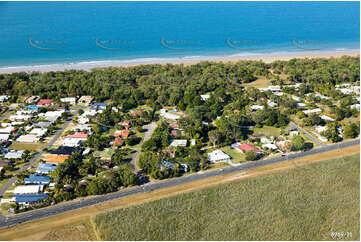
<point>20,117</point>
<point>14,154</point>
<point>170,116</point>
<point>4,98</point>
<point>320,129</point>
<point>296,98</point>
<point>265,140</point>
<point>7,130</point>
<point>71,100</point>
<point>355,106</point>
<point>205,97</point>
<point>27,189</point>
<point>256,107</point>
<point>270,146</point>
<point>4,137</point>
<point>218,156</point>
<point>83,120</point>
<point>29,138</point>
<point>316,110</point>
<point>327,118</point>
<point>294,133</point>
<point>70,142</point>
<point>300,105</point>
<point>272,104</point>
<point>38,132</point>
<point>280,94</point>
<point>179,142</point>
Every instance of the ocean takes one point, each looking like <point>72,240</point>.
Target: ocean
<point>47,33</point>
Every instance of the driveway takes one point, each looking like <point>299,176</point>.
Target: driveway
<point>308,135</point>
<point>148,133</point>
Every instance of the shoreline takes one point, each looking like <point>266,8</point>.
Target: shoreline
<point>88,65</point>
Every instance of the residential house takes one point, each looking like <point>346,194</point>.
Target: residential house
<point>83,120</point>
<point>118,142</point>
<point>327,118</point>
<point>218,156</point>
<point>246,147</point>
<point>121,133</point>
<point>256,107</point>
<point>176,132</point>
<point>38,132</point>
<point>174,125</point>
<point>126,124</point>
<point>78,135</point>
<point>137,113</point>
<point>45,168</point>
<point>50,158</point>
<point>70,100</point>
<point>7,130</point>
<point>37,179</point>
<point>316,110</point>
<point>205,97</point>
<point>265,140</point>
<point>86,100</point>
<point>272,104</point>
<point>45,102</point>
<point>4,98</point>
<point>270,146</point>
<point>296,98</point>
<point>301,105</point>
<point>178,142</point>
<point>165,114</point>
<point>70,142</point>
<point>28,138</point>
<point>28,199</point>
<point>28,189</point>
<point>31,108</point>
<point>32,99</point>
<point>4,137</point>
<point>4,163</point>
<point>43,125</point>
<point>84,128</point>
<point>294,133</point>
<point>320,129</point>
<point>355,106</point>
<point>14,154</point>
<point>167,165</point>
<point>20,117</point>
<point>99,107</point>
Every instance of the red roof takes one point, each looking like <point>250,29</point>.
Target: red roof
<point>247,147</point>
<point>78,135</point>
<point>45,101</point>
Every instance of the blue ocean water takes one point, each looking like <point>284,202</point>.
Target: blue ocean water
<point>35,33</point>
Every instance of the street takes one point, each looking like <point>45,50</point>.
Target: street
<point>62,208</point>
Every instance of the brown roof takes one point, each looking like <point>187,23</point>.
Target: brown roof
<point>137,113</point>
<point>4,163</point>
<point>56,158</point>
<point>174,125</point>
<point>122,133</point>
<point>125,123</point>
<point>118,142</point>
<point>176,132</point>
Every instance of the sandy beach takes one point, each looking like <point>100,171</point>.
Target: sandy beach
<point>116,63</point>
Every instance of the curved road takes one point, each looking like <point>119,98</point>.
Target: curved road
<point>62,208</point>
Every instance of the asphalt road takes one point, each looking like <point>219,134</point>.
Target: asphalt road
<point>38,155</point>
<point>66,207</point>
<point>310,136</point>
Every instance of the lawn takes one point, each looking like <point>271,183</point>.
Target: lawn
<point>267,130</point>
<point>237,156</point>
<point>259,83</point>
<point>27,146</point>
<point>299,204</point>
<point>105,154</point>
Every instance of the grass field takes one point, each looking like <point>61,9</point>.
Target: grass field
<point>27,146</point>
<point>267,130</point>
<point>296,204</point>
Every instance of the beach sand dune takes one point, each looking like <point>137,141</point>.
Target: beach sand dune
<point>100,64</point>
